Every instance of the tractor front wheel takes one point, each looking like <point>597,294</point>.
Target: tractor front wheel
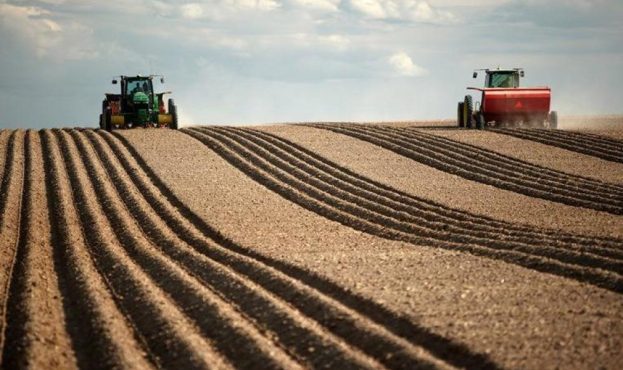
<point>173,113</point>
<point>468,110</point>
<point>459,115</point>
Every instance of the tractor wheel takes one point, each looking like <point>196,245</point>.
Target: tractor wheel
<point>553,119</point>
<point>173,113</point>
<point>459,115</point>
<point>108,122</point>
<point>103,115</point>
<point>480,121</point>
<point>468,110</point>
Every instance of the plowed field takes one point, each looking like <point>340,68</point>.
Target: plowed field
<point>311,246</point>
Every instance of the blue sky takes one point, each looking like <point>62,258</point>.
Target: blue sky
<point>259,61</point>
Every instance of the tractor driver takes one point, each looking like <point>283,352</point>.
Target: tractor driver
<point>136,88</point>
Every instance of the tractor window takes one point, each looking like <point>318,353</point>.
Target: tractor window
<point>503,80</point>
<point>138,85</point>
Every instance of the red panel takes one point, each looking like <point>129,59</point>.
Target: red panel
<point>518,101</point>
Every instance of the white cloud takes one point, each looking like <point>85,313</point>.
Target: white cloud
<point>192,11</point>
<point>403,65</point>
<point>410,10</point>
<point>321,5</point>
<point>224,9</point>
<point>31,25</point>
<point>371,8</point>
<point>34,29</point>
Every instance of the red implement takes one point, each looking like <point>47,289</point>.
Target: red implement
<point>526,104</point>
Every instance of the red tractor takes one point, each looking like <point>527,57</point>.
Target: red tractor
<point>504,103</point>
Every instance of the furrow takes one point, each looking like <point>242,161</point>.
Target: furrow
<point>4,139</point>
<point>528,170</point>
<point>8,177</point>
<point>326,314</point>
<point>473,172</point>
<point>516,172</point>
<point>583,146</point>
<point>589,140</point>
<point>504,166</point>
<point>100,335</point>
<point>35,335</point>
<point>326,177</point>
<point>407,202</point>
<point>273,317</point>
<point>592,138</point>
<point>169,334</point>
<point>360,219</point>
<point>11,226</point>
<point>376,338</point>
<point>356,203</point>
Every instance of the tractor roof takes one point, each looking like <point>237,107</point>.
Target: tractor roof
<point>498,69</point>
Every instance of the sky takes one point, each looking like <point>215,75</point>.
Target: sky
<point>260,61</point>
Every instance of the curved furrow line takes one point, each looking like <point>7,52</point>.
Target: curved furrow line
<point>7,176</point>
<point>334,318</point>
<point>4,148</point>
<point>392,339</point>
<point>356,203</point>
<point>12,198</point>
<point>33,302</point>
<point>473,172</point>
<point>581,146</point>
<point>100,335</point>
<point>497,160</point>
<point>586,139</point>
<point>591,138</point>
<point>477,160</point>
<point>410,203</point>
<point>274,318</point>
<point>361,220</point>
<point>591,141</point>
<point>504,166</point>
<point>168,323</point>
<point>329,178</point>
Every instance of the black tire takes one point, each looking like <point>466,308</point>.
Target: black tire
<point>468,110</point>
<point>480,121</point>
<point>173,113</point>
<point>108,122</point>
<point>104,110</point>
<point>553,119</point>
<point>459,115</point>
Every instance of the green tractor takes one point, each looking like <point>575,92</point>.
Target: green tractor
<point>137,105</point>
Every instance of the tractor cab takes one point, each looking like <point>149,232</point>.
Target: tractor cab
<point>133,86</point>
<point>500,78</point>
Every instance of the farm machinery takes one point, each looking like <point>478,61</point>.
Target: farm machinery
<point>137,105</point>
<point>504,103</point>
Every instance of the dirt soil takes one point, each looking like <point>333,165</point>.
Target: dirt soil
<point>292,246</point>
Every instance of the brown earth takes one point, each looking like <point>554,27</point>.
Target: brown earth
<point>295,246</point>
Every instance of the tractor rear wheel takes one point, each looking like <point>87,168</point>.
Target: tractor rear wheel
<point>553,119</point>
<point>468,110</point>
<point>173,113</point>
<point>459,115</point>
